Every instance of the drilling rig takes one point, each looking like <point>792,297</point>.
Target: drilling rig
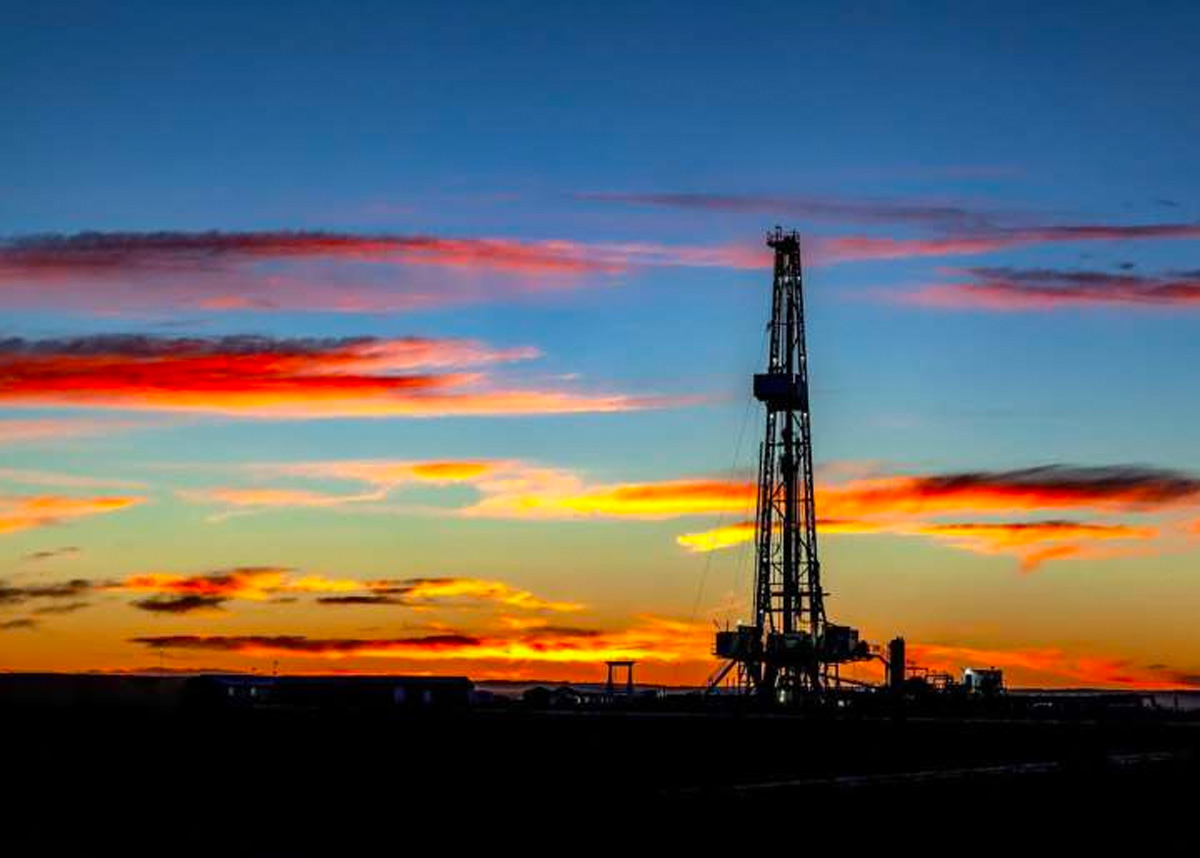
<point>790,652</point>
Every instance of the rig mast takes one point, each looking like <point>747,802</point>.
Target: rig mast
<point>785,655</point>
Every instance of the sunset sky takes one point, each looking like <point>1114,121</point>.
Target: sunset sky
<point>418,338</point>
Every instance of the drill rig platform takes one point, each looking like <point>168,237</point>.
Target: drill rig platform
<point>790,652</point>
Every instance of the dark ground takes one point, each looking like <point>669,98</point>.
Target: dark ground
<point>115,781</point>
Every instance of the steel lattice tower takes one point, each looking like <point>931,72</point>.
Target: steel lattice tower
<point>790,650</point>
<point>788,597</point>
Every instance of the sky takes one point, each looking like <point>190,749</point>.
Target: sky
<point>417,337</point>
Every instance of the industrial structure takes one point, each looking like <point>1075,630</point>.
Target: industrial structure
<point>790,651</point>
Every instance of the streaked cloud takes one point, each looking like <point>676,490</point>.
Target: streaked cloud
<point>423,590</point>
<point>863,247</point>
<point>726,536</point>
<point>178,593</point>
<point>282,378</point>
<point>109,272</point>
<point>185,604</point>
<point>31,431</point>
<point>919,212</point>
<point>22,512</point>
<point>653,639</point>
<point>1035,542</point>
<point>912,506</point>
<point>563,495</point>
<point>16,594</point>
<point>984,512</point>
<point>1013,289</point>
<point>52,553</point>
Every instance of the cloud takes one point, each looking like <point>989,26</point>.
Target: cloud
<point>882,211</point>
<point>561,495</point>
<point>258,498</point>
<point>53,553</point>
<point>255,583</point>
<point>1042,487</point>
<point>67,608</point>
<point>850,248</point>
<point>367,599</point>
<point>23,512</point>
<point>18,595</point>
<point>499,482</point>
<point>718,538</point>
<point>343,272</point>
<point>186,604</point>
<point>263,583</point>
<point>281,378</point>
<point>910,505</point>
<point>100,253</point>
<point>653,639</point>
<point>1055,486</point>
<point>26,476</point>
<point>393,472</point>
<point>416,590</point>
<point>32,431</point>
<point>1013,289</point>
<point>22,624</point>
<point>385,475</point>
<point>1035,542</point>
<point>901,504</point>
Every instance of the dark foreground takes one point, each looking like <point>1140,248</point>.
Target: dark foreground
<point>118,779</point>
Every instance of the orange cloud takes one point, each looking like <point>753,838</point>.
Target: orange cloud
<point>392,472</point>
<point>21,512</point>
<point>252,582</point>
<point>550,494</point>
<point>1035,542</point>
<point>653,640</point>
<point>857,504</point>
<point>731,535</point>
<point>261,583</point>
<point>256,376</point>
<point>717,538</point>
<point>427,589</point>
<point>904,504</point>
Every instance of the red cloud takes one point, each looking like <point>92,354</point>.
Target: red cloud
<point>653,640</point>
<point>1040,289</point>
<point>100,253</point>
<point>861,247</point>
<point>116,272</point>
<point>257,376</point>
